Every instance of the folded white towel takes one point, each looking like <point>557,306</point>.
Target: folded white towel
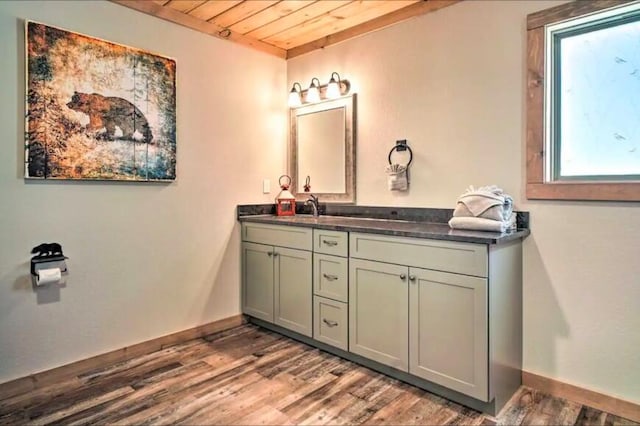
<point>482,224</point>
<point>397,177</point>
<point>488,202</point>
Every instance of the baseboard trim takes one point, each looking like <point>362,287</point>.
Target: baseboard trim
<point>608,403</point>
<point>44,378</point>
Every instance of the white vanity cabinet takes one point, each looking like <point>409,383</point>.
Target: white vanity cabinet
<point>277,275</point>
<point>444,315</point>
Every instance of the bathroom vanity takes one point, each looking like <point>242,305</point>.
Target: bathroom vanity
<point>438,308</point>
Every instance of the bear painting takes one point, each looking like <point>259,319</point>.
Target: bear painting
<point>97,110</point>
<point>108,112</point>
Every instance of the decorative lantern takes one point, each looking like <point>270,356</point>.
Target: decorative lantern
<point>285,201</point>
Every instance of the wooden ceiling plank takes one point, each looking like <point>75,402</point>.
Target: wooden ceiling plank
<point>337,20</point>
<point>184,6</point>
<point>403,14</point>
<point>313,10</point>
<point>242,11</point>
<point>189,21</point>
<point>161,2</point>
<point>211,9</point>
<point>268,15</point>
<point>347,19</point>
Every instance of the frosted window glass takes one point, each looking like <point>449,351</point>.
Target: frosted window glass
<point>600,102</point>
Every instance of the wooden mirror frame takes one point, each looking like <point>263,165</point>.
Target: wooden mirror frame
<point>349,195</point>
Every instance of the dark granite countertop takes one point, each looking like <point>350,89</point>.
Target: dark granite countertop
<point>403,228</point>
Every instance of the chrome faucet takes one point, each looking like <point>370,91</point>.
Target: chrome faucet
<point>313,200</point>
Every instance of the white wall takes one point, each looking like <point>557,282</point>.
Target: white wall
<point>145,259</point>
<point>453,84</point>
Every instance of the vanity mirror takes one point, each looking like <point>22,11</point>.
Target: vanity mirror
<point>322,146</point>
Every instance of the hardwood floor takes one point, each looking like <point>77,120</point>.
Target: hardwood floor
<point>248,376</point>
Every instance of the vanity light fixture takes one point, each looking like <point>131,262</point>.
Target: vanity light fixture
<point>294,95</point>
<point>316,92</point>
<point>313,93</point>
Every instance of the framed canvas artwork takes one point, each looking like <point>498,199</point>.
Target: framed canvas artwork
<point>97,110</point>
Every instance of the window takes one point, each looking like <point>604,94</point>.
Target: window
<point>583,108</point>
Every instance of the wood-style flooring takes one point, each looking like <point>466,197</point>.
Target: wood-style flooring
<point>248,376</point>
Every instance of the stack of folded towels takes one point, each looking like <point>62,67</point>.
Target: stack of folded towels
<point>484,209</point>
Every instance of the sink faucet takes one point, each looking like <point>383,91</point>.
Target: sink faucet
<point>313,200</point>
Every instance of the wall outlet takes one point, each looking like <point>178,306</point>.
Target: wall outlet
<point>266,186</point>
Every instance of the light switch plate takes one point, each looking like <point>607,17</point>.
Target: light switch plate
<point>266,186</point>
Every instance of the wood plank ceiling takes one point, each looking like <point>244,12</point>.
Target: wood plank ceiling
<point>286,28</point>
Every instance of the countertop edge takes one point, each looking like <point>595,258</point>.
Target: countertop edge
<point>491,238</point>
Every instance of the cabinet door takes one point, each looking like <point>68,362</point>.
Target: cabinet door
<point>257,281</point>
<point>378,312</point>
<point>448,332</point>
<point>293,290</point>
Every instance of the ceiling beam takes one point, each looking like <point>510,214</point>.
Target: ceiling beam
<point>405,13</point>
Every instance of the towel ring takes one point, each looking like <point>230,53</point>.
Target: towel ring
<point>402,147</point>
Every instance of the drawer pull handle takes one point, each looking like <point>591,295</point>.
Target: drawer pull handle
<point>330,323</point>
<point>330,277</point>
<point>403,277</point>
<point>412,277</point>
<point>330,243</point>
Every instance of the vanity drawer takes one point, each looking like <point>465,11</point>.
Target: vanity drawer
<point>276,235</point>
<point>330,276</point>
<point>331,242</point>
<point>448,256</point>
<point>330,322</point>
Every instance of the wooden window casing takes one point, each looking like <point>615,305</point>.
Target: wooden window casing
<point>537,187</point>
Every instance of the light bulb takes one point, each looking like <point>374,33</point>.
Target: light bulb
<point>333,88</point>
<point>294,99</point>
<point>313,93</point>
<point>294,96</point>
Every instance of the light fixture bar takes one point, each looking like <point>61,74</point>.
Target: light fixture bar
<point>297,96</point>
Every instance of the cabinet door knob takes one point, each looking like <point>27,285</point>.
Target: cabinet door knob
<point>329,322</point>
<point>330,243</point>
<point>403,276</point>
<point>330,277</point>
<point>275,253</point>
<point>269,254</point>
<point>412,277</point>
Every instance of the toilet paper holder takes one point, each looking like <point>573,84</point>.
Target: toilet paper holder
<point>48,255</point>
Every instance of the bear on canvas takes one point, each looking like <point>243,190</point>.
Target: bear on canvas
<point>108,112</point>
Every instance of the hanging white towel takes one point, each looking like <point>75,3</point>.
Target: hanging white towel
<point>397,177</point>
